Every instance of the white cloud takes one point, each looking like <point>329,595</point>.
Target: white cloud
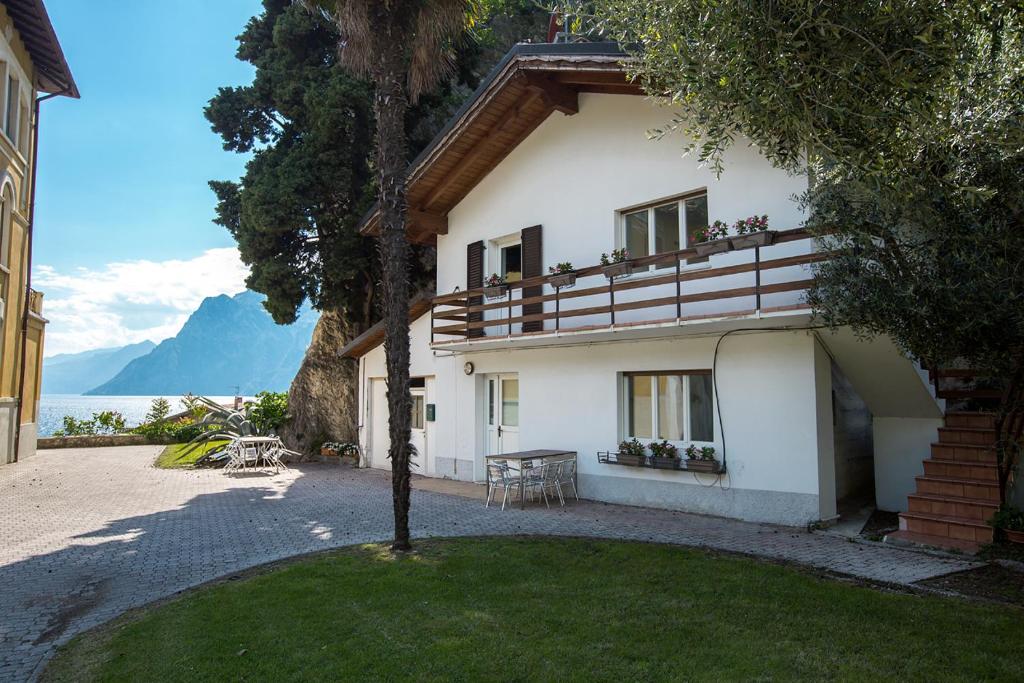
<point>128,302</point>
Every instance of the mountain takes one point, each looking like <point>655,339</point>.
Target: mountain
<point>230,343</point>
<point>74,373</point>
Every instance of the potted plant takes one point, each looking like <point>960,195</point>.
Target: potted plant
<point>712,240</point>
<point>752,232</point>
<point>631,452</point>
<point>664,456</point>
<point>563,275</point>
<point>329,449</point>
<point>617,264</point>
<point>495,287</point>
<point>701,459</point>
<point>1011,521</point>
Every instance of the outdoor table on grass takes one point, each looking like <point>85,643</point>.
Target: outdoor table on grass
<point>523,457</point>
<point>267,449</point>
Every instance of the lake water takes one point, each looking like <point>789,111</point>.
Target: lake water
<point>53,408</point>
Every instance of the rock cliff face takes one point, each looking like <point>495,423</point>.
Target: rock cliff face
<point>323,399</point>
<point>229,343</point>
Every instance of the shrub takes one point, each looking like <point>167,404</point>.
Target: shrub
<point>268,412</point>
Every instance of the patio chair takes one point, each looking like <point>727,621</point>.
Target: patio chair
<point>567,475</point>
<point>544,478</point>
<point>498,477</point>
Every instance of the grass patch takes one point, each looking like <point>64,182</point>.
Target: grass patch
<point>547,609</point>
<point>173,456</point>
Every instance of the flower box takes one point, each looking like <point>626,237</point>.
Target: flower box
<point>762,238</point>
<point>562,280</point>
<point>1014,536</point>
<point>620,269</point>
<point>709,466</point>
<point>660,463</point>
<point>329,452</point>
<point>713,247</point>
<point>631,460</point>
<point>496,292</point>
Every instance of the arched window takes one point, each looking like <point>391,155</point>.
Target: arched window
<point>6,217</point>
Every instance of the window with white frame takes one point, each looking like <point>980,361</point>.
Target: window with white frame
<point>663,226</point>
<point>668,405</point>
<point>11,110</point>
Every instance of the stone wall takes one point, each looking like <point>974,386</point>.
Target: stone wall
<point>98,441</point>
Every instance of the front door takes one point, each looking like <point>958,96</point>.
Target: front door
<point>418,431</point>
<point>502,414</point>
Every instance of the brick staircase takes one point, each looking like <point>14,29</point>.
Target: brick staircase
<point>959,489</point>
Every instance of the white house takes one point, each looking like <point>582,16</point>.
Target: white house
<point>551,161</point>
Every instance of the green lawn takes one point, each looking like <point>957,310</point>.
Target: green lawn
<point>540,609</point>
<point>172,457</point>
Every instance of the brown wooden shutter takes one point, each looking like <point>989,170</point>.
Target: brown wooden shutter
<point>475,280</point>
<point>533,265</point>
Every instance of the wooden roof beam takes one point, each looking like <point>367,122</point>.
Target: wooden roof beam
<point>478,149</point>
<point>557,96</point>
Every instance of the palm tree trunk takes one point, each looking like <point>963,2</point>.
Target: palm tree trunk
<point>390,105</point>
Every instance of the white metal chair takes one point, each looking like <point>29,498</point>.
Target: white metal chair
<point>498,477</point>
<point>567,475</point>
<point>544,478</point>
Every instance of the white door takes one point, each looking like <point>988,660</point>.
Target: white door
<point>380,440</point>
<point>502,414</point>
<point>418,431</point>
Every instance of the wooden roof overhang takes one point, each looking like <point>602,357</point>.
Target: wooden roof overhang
<point>374,335</point>
<point>53,75</point>
<point>530,83</point>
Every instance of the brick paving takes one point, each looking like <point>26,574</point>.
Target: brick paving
<point>88,534</point>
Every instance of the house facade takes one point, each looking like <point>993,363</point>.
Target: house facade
<point>552,161</point>
<point>32,68</point>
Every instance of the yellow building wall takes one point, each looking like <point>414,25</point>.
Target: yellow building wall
<point>15,179</point>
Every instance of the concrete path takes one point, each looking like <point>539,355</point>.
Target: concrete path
<point>87,534</point>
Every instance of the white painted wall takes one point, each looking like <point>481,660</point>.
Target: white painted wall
<point>901,444</point>
<point>574,173</point>
<point>769,386</point>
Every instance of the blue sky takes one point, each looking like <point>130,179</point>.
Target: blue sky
<point>122,194</point>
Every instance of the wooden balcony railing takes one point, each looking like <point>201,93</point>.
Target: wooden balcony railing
<point>611,301</point>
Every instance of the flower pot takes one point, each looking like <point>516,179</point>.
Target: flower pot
<point>761,238</point>
<point>660,463</point>
<point>1014,536</point>
<point>711,466</point>
<point>329,452</point>
<point>632,460</point>
<point>562,280</point>
<point>496,292</point>
<point>713,247</point>
<point>620,269</point>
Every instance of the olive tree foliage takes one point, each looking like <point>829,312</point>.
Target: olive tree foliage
<point>907,116</point>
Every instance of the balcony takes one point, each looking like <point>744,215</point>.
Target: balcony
<point>666,294</point>
<point>35,302</point>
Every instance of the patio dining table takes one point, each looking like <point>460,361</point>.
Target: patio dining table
<point>268,449</point>
<point>525,457</point>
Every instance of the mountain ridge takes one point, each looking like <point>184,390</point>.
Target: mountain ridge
<point>75,373</point>
<point>229,343</point>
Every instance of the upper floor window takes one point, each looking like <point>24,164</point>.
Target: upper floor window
<point>11,110</point>
<point>664,226</point>
<point>674,406</point>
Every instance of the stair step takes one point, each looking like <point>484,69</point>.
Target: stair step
<point>951,506</point>
<point>964,452</point>
<point>911,538</point>
<point>961,528</point>
<point>958,488</point>
<point>967,435</point>
<point>977,420</point>
<point>974,471</point>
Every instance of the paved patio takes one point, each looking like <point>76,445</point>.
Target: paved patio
<point>88,534</point>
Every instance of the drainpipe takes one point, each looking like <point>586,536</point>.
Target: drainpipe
<point>28,265</point>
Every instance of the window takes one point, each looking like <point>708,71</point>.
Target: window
<point>667,226</point>
<point>418,407</point>
<point>26,125</point>
<point>11,111</point>
<point>512,262</point>
<point>674,406</point>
